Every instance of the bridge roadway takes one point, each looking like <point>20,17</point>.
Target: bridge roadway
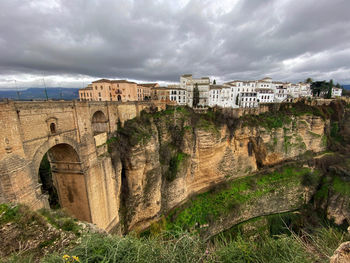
<point>74,135</point>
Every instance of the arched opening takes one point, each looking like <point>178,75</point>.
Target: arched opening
<point>99,123</point>
<point>52,128</point>
<point>47,185</point>
<point>119,98</point>
<point>62,178</point>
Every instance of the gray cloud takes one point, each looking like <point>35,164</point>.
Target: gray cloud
<point>72,41</point>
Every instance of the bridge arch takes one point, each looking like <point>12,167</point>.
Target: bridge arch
<point>67,176</point>
<point>99,122</point>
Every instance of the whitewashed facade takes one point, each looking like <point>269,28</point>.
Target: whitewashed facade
<point>177,94</point>
<point>240,93</point>
<point>222,96</point>
<point>336,92</point>
<point>304,90</point>
<point>265,95</point>
<point>248,100</point>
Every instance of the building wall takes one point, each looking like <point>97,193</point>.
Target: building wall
<point>106,90</point>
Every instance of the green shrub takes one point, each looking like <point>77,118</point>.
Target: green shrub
<point>174,165</point>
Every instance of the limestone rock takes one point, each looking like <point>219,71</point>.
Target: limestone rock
<point>342,254</point>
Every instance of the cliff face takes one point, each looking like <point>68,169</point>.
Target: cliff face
<point>173,158</point>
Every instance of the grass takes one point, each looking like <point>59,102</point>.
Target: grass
<point>60,220</point>
<point>174,165</point>
<point>334,133</point>
<point>98,248</point>
<point>341,186</point>
<point>209,206</point>
<point>316,246</point>
<point>268,120</point>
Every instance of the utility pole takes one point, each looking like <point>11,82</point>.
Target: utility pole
<point>47,98</point>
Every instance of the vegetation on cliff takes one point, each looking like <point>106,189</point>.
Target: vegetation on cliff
<point>221,201</point>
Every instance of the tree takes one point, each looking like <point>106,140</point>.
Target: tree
<point>237,100</point>
<point>309,80</point>
<point>330,87</point>
<point>318,88</point>
<point>214,82</point>
<point>195,96</point>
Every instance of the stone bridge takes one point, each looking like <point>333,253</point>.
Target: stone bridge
<point>73,134</point>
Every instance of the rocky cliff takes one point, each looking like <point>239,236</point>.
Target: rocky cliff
<point>169,156</point>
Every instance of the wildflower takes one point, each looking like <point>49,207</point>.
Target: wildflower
<point>76,258</point>
<point>66,257</point>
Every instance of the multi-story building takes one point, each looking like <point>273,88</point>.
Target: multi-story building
<point>222,96</point>
<point>177,94</point>
<point>281,93</point>
<point>160,94</point>
<point>237,87</point>
<point>188,83</point>
<point>144,90</point>
<point>85,94</point>
<point>265,83</point>
<point>109,90</point>
<point>248,100</point>
<point>336,92</point>
<point>265,95</point>
<point>304,89</point>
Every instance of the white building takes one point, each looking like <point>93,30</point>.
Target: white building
<point>281,94</point>
<point>222,96</point>
<point>240,93</point>
<point>265,83</point>
<point>265,95</point>
<point>304,89</point>
<point>336,92</point>
<point>248,100</point>
<point>177,94</point>
<point>188,83</point>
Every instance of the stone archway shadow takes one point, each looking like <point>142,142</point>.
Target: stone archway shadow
<point>67,174</point>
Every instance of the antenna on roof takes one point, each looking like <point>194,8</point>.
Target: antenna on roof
<point>47,98</point>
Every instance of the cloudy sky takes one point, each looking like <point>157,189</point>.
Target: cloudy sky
<point>72,42</point>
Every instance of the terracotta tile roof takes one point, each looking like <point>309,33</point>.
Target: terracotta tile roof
<point>218,87</point>
<point>113,81</point>
<point>101,80</point>
<point>86,88</point>
<point>122,81</point>
<point>149,85</point>
<point>160,88</point>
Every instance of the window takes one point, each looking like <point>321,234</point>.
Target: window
<point>99,94</point>
<point>101,87</point>
<point>52,128</point>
